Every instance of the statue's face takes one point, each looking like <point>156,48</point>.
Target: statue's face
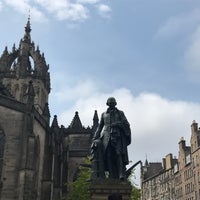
<point>112,104</point>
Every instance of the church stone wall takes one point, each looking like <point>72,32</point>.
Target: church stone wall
<point>40,134</point>
<point>11,123</point>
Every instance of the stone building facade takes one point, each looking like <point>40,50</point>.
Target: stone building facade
<point>37,159</point>
<point>174,178</point>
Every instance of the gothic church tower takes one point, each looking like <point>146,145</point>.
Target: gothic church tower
<point>25,137</point>
<point>24,64</point>
<point>36,160</point>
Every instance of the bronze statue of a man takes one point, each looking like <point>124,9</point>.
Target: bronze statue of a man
<point>115,135</point>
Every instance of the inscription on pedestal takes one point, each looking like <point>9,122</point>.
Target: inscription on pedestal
<point>101,189</point>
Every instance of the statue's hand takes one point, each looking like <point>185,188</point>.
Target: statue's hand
<point>95,143</point>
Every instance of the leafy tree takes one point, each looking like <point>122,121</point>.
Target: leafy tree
<point>135,193</point>
<point>80,187</point>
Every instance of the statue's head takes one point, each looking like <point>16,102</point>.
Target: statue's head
<point>111,102</point>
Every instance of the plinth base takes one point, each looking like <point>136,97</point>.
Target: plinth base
<point>102,188</point>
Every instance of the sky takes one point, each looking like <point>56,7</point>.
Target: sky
<point>144,53</point>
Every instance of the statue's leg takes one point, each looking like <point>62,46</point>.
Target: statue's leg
<point>121,167</point>
<point>110,154</point>
<point>115,168</point>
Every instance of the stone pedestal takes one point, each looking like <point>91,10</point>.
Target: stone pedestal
<point>101,189</point>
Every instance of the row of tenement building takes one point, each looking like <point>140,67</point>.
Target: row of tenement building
<point>37,159</point>
<point>174,178</point>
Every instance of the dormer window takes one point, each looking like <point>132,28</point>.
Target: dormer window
<point>188,159</point>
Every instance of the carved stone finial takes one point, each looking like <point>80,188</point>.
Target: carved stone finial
<point>76,122</point>
<point>55,122</point>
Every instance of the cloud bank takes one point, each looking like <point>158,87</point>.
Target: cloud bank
<point>60,10</point>
<point>155,121</point>
<point>24,7</point>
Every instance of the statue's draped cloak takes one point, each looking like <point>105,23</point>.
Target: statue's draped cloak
<point>122,131</point>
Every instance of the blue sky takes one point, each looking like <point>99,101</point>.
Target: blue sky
<point>145,53</point>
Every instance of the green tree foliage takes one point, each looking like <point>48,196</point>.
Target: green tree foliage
<point>80,187</point>
<point>135,193</point>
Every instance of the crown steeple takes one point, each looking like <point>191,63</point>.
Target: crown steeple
<point>23,64</point>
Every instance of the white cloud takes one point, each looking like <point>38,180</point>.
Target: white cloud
<point>157,123</point>
<point>148,113</point>
<point>23,6</point>
<point>64,9</point>
<point>88,1</point>
<point>104,10</point>
<point>87,88</point>
<point>179,24</point>
<point>37,15</point>
<point>74,12</point>
<point>61,9</point>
